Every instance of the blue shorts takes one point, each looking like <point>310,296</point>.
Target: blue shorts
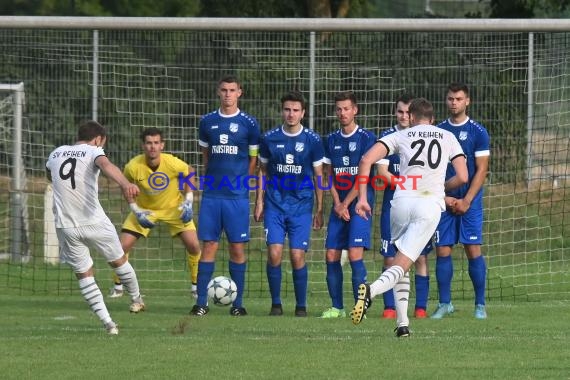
<point>344,235</point>
<point>464,229</point>
<point>229,215</point>
<point>296,227</point>
<point>388,249</point>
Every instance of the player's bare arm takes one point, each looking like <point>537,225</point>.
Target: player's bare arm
<point>383,172</point>
<point>327,169</point>
<point>337,205</point>
<point>461,176</point>
<point>205,157</point>
<point>318,219</point>
<point>482,166</point>
<point>252,164</point>
<point>130,191</point>
<point>374,154</point>
<point>259,194</point>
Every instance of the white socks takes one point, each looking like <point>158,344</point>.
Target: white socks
<point>128,278</point>
<point>387,280</point>
<point>92,294</point>
<point>401,296</point>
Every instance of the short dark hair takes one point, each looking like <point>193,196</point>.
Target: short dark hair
<point>229,79</point>
<point>293,96</point>
<point>421,108</point>
<point>90,129</point>
<point>458,86</point>
<point>150,131</point>
<point>405,98</point>
<point>345,95</point>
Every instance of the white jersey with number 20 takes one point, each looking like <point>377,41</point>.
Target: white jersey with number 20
<point>424,151</point>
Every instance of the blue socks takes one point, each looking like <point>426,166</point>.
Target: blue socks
<point>300,282</point>
<point>205,271</point>
<point>444,274</point>
<point>358,276</point>
<point>237,273</point>
<point>478,274</point>
<point>274,280</point>
<point>334,283</point>
<point>422,291</point>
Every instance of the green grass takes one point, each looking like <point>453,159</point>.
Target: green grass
<point>52,337</point>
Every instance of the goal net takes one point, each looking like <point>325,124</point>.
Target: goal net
<point>167,79</point>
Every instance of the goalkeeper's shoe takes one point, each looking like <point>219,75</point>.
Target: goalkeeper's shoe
<point>199,311</point>
<point>238,311</point>
<point>116,292</point>
<point>442,310</point>
<point>137,305</point>
<point>333,312</point>
<point>194,291</point>
<point>480,312</point>
<point>112,328</point>
<point>362,304</point>
<point>402,331</point>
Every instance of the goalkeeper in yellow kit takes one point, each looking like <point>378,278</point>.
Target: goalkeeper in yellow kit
<point>160,200</point>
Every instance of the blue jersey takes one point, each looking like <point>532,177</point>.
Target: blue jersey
<point>474,141</point>
<point>343,153</point>
<point>289,160</point>
<point>230,140</point>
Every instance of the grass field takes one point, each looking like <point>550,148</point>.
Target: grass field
<point>57,337</point>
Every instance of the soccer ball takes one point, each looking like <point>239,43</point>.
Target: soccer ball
<point>222,290</point>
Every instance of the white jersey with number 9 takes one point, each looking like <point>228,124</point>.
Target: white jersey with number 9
<point>75,189</point>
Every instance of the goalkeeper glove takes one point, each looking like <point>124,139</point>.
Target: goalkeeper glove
<point>142,215</point>
<point>186,208</point>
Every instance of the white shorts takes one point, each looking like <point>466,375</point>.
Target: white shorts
<point>74,243</point>
<point>413,222</point>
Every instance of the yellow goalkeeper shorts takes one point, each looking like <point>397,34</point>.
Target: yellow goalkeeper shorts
<point>169,216</point>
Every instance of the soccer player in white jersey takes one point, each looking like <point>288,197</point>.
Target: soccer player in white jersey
<point>80,220</point>
<point>291,158</point>
<point>229,139</point>
<point>425,151</point>
<point>343,150</point>
<point>389,167</point>
<point>462,222</point>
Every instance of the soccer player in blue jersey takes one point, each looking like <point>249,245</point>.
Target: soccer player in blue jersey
<point>229,139</point>
<point>388,168</point>
<point>343,150</point>
<point>291,161</point>
<point>462,222</point>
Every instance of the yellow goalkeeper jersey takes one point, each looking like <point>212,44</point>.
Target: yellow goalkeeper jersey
<point>158,188</point>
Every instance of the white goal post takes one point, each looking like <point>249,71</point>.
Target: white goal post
<point>18,210</point>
